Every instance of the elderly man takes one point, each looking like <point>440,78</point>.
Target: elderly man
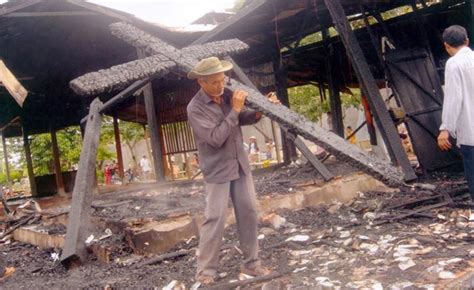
<point>458,105</point>
<point>215,115</point>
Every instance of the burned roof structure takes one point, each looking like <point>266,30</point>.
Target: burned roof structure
<point>47,43</point>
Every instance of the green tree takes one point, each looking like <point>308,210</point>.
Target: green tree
<point>307,101</point>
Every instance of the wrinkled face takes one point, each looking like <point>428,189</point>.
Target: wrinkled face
<point>213,85</point>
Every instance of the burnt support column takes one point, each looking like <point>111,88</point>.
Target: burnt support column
<point>333,83</point>
<point>29,163</point>
<point>5,155</point>
<point>153,125</point>
<point>118,148</point>
<point>74,250</point>
<point>366,79</point>
<point>57,164</point>
<point>288,146</point>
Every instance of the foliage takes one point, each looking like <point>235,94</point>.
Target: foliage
<point>130,135</point>
<point>307,101</point>
<point>14,175</point>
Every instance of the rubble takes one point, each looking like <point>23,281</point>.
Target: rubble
<point>312,248</point>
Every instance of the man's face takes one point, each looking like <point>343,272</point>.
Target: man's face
<point>213,85</point>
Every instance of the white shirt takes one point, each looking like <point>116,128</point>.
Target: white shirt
<point>145,164</point>
<point>458,105</point>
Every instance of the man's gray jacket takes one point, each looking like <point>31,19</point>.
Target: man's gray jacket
<point>218,137</point>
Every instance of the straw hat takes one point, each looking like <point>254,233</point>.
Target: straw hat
<point>209,66</point>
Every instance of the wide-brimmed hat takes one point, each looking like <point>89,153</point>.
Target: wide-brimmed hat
<point>209,66</point>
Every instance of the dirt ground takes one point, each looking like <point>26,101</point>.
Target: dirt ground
<point>358,245</point>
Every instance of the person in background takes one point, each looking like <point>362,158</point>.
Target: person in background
<point>145,167</point>
<point>253,150</point>
<point>458,104</point>
<point>107,174</point>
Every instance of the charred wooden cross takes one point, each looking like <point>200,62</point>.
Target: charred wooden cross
<point>164,59</point>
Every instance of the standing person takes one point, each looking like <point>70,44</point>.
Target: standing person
<point>253,149</point>
<point>215,115</point>
<point>107,174</point>
<point>145,167</point>
<point>458,105</point>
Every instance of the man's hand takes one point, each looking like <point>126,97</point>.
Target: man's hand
<point>272,97</point>
<point>238,100</point>
<point>443,140</point>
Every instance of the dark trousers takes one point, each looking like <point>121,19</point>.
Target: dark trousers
<point>468,159</point>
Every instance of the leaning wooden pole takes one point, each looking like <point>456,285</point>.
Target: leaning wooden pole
<point>366,79</point>
<point>74,249</point>
<point>5,155</point>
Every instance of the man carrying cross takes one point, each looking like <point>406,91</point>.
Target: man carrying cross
<point>215,115</point>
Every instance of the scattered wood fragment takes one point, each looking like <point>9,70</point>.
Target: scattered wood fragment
<point>21,223</point>
<point>248,282</point>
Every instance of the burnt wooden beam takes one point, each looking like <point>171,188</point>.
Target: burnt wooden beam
<point>118,148</point>
<point>320,167</point>
<point>29,163</point>
<point>5,156</point>
<point>216,32</point>
<point>333,83</point>
<point>57,163</point>
<point>74,249</point>
<point>366,79</point>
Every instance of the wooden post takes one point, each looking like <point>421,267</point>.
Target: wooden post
<point>5,155</point>
<point>366,79</point>
<point>154,126</point>
<point>277,147</point>
<point>289,150</point>
<point>29,163</point>
<point>334,96</point>
<point>118,148</point>
<point>74,249</point>
<point>57,163</point>
<point>148,150</point>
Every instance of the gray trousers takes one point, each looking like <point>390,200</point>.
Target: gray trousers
<point>242,193</point>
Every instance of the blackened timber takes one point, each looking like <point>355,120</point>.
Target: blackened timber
<point>29,163</point>
<point>295,122</point>
<point>122,96</point>
<point>57,163</point>
<point>74,249</point>
<point>334,94</point>
<point>366,79</point>
<point>213,34</point>
<point>118,148</point>
<point>320,167</point>
<point>154,127</point>
<point>289,151</point>
<point>5,155</point>
<point>335,145</point>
